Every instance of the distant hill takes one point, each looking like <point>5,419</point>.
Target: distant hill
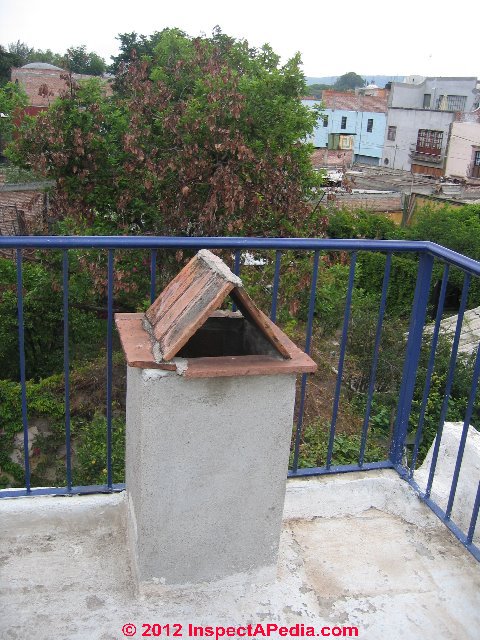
<point>380,81</point>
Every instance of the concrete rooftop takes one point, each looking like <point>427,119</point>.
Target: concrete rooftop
<point>356,550</point>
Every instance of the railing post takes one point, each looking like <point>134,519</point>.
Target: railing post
<point>414,344</point>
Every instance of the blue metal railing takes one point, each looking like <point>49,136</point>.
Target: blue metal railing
<point>427,253</point>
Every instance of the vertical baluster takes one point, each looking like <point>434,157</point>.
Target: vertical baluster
<point>66,370</point>
<point>449,382</point>
<point>373,371</point>
<point>109,364</point>
<point>463,438</point>
<point>23,385</point>
<point>276,281</point>
<point>473,521</point>
<point>153,275</point>
<point>431,363</point>
<point>308,343</point>
<point>236,270</point>
<point>412,357</point>
<point>343,347</point>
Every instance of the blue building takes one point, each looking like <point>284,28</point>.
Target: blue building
<point>363,117</point>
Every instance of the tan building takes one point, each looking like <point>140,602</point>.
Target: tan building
<point>43,83</point>
<point>463,154</point>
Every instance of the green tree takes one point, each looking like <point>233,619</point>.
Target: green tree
<point>7,61</point>
<point>76,59</point>
<point>22,51</point>
<point>134,47</point>
<point>48,56</point>
<point>43,316</point>
<point>315,90</point>
<point>12,98</point>
<point>79,60</point>
<point>457,228</point>
<point>349,81</point>
<point>205,138</point>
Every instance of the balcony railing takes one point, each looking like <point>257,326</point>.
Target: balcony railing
<point>274,252</point>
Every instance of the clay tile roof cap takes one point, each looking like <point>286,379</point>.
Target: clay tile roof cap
<point>241,343</point>
<point>191,297</point>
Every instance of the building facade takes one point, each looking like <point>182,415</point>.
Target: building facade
<point>463,153</point>
<point>350,122</point>
<point>43,82</point>
<point>420,114</point>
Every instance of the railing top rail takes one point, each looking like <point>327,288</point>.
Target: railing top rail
<point>454,258</point>
<point>312,244</point>
<point>168,242</point>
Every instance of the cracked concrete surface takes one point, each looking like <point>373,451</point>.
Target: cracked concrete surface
<point>356,550</point>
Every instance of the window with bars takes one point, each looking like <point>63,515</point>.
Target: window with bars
<point>325,121</point>
<point>429,141</point>
<point>456,103</point>
<point>392,133</point>
<point>370,125</point>
<point>344,122</point>
<point>451,103</point>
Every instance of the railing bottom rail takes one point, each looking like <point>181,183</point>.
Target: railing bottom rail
<point>62,491</point>
<point>404,473</point>
<point>342,468</point>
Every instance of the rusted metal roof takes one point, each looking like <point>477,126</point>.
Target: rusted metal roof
<point>348,101</point>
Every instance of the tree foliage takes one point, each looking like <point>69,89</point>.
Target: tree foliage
<point>75,59</point>
<point>21,51</point>
<point>205,137</point>
<point>79,60</point>
<point>134,47</point>
<point>12,98</point>
<point>7,61</point>
<point>457,228</point>
<point>349,81</point>
<point>43,317</point>
<point>315,90</point>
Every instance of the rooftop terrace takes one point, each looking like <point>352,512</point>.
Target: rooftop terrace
<point>357,550</point>
<point>388,547</point>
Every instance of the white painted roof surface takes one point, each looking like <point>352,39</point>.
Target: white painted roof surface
<point>41,65</point>
<point>356,550</point>
<point>470,335</point>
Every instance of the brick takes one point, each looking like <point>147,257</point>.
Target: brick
<point>32,79</point>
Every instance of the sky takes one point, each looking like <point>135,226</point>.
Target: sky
<point>405,37</point>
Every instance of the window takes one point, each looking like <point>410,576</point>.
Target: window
<point>429,142</point>
<point>392,133</point>
<point>456,103</point>
<point>325,121</point>
<point>370,125</point>
<point>427,98</point>
<point>344,122</point>
<point>451,103</point>
<point>476,165</point>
